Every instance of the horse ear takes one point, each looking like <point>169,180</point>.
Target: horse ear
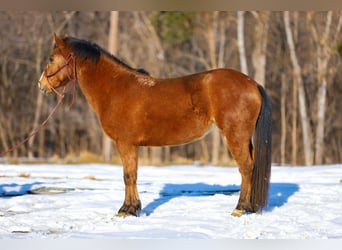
<point>59,41</point>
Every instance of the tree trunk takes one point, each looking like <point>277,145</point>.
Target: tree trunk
<point>112,48</point>
<point>259,52</point>
<point>216,33</point>
<point>211,35</point>
<point>297,77</point>
<point>283,119</point>
<point>323,57</point>
<point>3,135</point>
<point>156,155</point>
<point>294,122</point>
<point>39,98</point>
<point>321,102</point>
<point>241,42</point>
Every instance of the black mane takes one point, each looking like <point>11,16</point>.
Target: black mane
<point>88,50</point>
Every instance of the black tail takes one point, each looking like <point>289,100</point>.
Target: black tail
<point>262,141</point>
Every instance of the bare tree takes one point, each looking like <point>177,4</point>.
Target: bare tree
<point>298,82</point>
<point>260,48</point>
<point>215,36</point>
<point>324,53</point>
<point>283,119</point>
<point>241,41</point>
<point>39,97</point>
<point>112,48</point>
<point>211,38</point>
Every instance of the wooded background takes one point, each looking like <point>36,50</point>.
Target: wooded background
<point>296,56</point>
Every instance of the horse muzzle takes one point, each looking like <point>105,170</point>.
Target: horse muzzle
<point>44,89</point>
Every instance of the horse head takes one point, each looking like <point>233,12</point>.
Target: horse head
<point>60,69</point>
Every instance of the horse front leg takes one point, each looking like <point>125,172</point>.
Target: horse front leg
<point>129,157</point>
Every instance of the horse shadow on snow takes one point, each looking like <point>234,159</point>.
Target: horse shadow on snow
<point>14,189</point>
<point>279,193</point>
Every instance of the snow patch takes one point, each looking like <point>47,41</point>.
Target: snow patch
<point>179,202</point>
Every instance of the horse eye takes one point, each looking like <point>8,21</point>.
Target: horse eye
<point>51,59</point>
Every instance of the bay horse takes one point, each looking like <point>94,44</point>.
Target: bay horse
<point>136,109</point>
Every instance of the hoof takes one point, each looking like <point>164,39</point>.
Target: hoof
<point>237,212</point>
<point>124,214</point>
<point>129,210</point>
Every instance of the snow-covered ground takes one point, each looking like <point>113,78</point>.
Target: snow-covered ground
<point>178,202</point>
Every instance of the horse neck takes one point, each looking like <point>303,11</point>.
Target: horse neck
<point>97,80</point>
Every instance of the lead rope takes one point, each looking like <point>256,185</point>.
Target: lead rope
<point>73,79</point>
<point>35,131</point>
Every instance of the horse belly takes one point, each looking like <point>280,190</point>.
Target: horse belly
<point>175,131</point>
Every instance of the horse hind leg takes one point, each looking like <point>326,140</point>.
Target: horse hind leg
<point>242,152</point>
<point>245,164</point>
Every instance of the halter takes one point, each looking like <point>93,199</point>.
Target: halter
<point>72,77</point>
